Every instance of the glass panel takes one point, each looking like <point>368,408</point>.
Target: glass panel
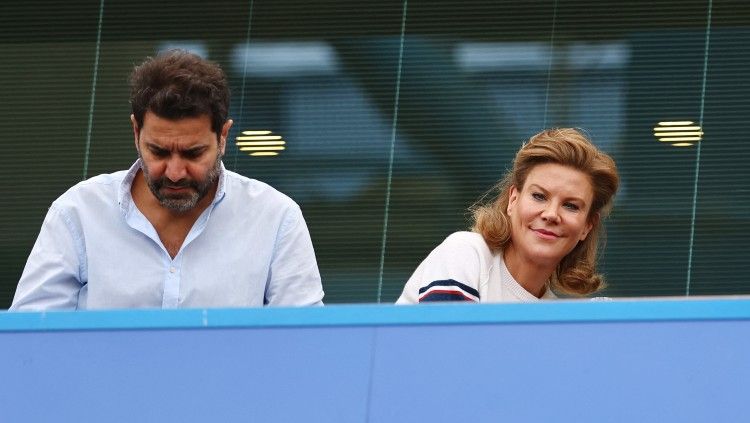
<point>470,89</point>
<point>660,79</point>
<point>613,69</point>
<point>453,87</point>
<point>323,76</point>
<point>720,256</point>
<point>48,55</point>
<point>298,72</point>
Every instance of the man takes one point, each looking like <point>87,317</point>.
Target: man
<point>177,229</point>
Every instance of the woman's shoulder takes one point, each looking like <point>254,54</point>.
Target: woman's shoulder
<point>453,271</point>
<point>467,241</point>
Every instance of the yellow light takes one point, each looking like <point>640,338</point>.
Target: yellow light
<point>679,139</point>
<point>676,123</point>
<point>264,153</point>
<point>244,143</point>
<point>679,134</point>
<point>259,138</point>
<point>256,132</point>
<point>677,128</point>
<point>270,148</point>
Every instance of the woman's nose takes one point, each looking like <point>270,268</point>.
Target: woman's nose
<point>550,214</point>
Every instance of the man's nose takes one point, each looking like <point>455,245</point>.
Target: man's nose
<point>176,169</point>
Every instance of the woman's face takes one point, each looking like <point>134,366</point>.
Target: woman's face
<point>549,216</point>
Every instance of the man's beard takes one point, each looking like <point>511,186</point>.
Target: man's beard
<point>181,202</point>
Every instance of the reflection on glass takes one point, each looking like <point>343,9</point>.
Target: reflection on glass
<point>680,133</point>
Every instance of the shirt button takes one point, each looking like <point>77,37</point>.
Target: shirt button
<point>172,270</point>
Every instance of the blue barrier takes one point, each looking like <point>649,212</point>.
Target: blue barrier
<point>639,360</point>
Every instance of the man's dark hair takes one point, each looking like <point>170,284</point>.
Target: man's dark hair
<point>178,84</point>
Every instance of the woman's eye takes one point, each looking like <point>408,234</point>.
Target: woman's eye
<point>537,196</point>
<point>571,206</point>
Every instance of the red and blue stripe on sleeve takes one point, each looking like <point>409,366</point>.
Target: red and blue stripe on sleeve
<point>448,290</point>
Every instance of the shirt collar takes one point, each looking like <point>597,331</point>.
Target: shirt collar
<point>221,188</point>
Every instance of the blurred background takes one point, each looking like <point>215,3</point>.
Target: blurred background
<point>397,116</point>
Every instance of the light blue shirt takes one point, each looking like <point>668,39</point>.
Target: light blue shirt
<point>96,250</point>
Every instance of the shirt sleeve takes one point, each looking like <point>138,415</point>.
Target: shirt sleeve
<point>51,278</point>
<point>451,272</point>
<point>294,279</point>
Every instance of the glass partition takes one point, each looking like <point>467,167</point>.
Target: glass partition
<point>396,116</point>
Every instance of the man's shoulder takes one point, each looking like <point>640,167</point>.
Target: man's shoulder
<point>100,186</point>
<point>239,187</point>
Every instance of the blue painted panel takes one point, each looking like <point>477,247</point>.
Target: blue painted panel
<point>614,372</point>
<point>220,375</point>
<point>645,361</point>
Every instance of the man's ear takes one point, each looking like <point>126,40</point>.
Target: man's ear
<point>136,131</point>
<point>224,135</point>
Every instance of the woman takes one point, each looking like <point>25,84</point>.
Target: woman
<point>537,238</point>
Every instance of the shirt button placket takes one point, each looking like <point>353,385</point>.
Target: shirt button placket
<point>172,284</point>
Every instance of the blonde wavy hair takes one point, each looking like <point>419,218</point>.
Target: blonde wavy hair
<point>576,272</point>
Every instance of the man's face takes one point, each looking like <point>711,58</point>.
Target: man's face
<point>180,159</point>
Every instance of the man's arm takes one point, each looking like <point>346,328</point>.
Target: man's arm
<point>51,279</point>
<point>294,278</point>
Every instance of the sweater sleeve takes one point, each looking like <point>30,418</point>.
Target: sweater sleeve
<point>451,272</point>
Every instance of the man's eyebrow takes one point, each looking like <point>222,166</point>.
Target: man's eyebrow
<point>154,146</point>
<point>195,148</point>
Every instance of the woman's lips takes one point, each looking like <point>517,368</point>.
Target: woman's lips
<point>546,234</point>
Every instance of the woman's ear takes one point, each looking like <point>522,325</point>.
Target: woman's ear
<point>512,199</point>
<point>593,221</point>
